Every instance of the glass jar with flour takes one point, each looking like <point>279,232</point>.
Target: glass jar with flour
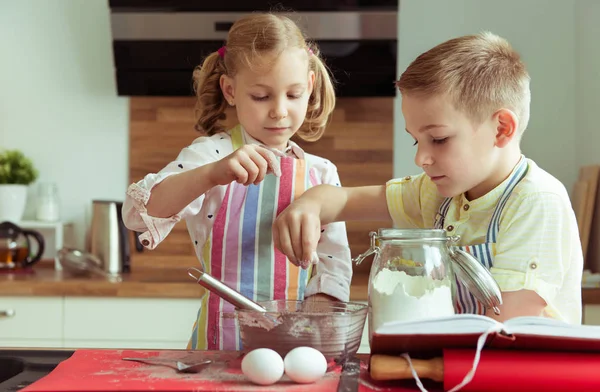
<point>413,276</point>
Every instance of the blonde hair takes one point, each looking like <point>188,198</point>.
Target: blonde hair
<point>249,39</point>
<point>479,73</point>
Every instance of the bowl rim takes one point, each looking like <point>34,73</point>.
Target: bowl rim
<point>360,308</point>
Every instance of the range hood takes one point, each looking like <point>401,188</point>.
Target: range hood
<point>157,44</point>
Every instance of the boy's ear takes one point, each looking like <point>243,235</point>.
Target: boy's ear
<point>227,88</point>
<point>507,127</point>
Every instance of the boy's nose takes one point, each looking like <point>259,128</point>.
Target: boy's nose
<point>423,157</point>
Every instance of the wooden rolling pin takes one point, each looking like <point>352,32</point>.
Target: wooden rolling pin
<point>387,367</point>
<point>499,370</point>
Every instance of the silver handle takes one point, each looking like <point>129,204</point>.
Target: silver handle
<point>222,290</point>
<point>7,313</point>
<point>373,249</point>
<point>357,260</point>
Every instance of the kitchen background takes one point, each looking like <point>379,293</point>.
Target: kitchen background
<point>59,105</point>
<point>58,100</point>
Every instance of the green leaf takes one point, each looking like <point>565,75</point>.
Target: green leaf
<point>16,168</point>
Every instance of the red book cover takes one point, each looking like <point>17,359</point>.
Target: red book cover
<point>430,337</point>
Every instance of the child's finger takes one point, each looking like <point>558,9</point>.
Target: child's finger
<point>285,244</point>
<point>271,159</point>
<point>276,240</point>
<point>251,168</point>
<point>238,171</point>
<point>262,165</point>
<point>309,237</point>
<point>295,230</point>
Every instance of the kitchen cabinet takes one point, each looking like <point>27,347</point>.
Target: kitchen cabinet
<point>31,321</point>
<point>96,322</point>
<point>128,322</point>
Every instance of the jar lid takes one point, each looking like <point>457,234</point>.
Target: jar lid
<point>477,278</point>
<point>412,234</point>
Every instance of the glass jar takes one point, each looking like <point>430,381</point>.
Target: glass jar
<point>413,276</point>
<point>47,209</point>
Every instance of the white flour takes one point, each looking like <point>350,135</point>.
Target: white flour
<point>396,296</point>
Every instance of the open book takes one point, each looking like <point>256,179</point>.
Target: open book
<point>463,330</point>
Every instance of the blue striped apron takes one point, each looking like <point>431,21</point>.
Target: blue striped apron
<point>465,301</point>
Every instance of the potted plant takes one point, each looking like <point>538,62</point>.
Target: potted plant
<point>16,173</point>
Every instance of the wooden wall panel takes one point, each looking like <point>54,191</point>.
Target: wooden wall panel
<point>359,140</point>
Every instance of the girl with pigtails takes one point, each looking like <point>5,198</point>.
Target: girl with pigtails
<point>229,185</point>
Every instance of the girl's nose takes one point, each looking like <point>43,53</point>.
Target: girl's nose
<point>279,110</point>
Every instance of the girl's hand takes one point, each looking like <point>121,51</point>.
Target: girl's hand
<point>246,165</point>
<point>296,232</point>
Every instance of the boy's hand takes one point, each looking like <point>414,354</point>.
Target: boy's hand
<point>297,230</point>
<point>321,297</point>
<point>334,336</point>
<point>246,165</point>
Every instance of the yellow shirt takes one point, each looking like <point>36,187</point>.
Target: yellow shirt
<point>538,246</point>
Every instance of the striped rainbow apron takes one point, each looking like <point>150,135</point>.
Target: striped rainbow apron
<point>465,302</point>
<point>240,251</point>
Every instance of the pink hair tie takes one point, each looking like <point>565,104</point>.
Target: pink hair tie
<point>222,50</point>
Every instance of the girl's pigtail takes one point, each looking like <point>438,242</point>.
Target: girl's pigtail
<point>210,103</point>
<point>321,102</point>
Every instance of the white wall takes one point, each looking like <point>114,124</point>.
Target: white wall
<point>587,102</point>
<point>543,31</point>
<point>58,102</point>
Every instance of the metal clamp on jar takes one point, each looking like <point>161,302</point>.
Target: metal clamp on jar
<point>414,276</point>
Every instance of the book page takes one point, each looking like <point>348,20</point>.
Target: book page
<point>456,324</point>
<point>550,327</point>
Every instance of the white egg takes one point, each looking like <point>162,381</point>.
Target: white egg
<point>305,365</point>
<point>263,366</point>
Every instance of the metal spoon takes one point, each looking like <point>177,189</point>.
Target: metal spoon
<point>181,367</point>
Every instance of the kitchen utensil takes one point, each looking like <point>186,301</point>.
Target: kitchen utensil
<point>222,290</point>
<point>387,367</point>
<point>15,246</point>
<point>79,262</point>
<point>498,370</point>
<point>181,367</point>
<point>350,375</point>
<point>332,327</point>
<point>109,238</point>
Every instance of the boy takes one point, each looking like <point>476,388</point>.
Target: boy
<point>466,105</point>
